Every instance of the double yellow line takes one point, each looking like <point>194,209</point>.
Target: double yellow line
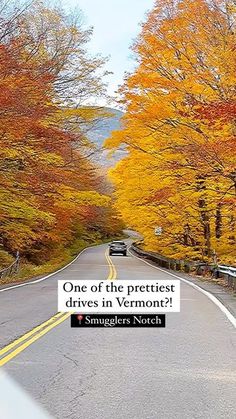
<point>17,346</point>
<point>20,344</point>
<point>112,270</point>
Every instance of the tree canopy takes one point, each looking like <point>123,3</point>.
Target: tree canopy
<point>179,131</point>
<point>49,189</point>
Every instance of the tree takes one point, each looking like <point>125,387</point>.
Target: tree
<point>48,186</point>
<point>180,171</point>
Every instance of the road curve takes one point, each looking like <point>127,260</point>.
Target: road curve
<point>187,370</point>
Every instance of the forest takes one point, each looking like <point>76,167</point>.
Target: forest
<point>179,175</point>
<point>53,199</point>
<point>177,172</point>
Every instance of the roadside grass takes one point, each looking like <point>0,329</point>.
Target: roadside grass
<point>30,271</point>
<point>5,259</point>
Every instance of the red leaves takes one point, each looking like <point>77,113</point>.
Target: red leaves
<point>225,110</point>
<point>37,159</point>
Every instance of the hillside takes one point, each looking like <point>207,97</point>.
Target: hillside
<point>98,134</point>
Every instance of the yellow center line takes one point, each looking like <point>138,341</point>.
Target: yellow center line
<point>112,273</point>
<point>28,334</point>
<point>22,347</point>
<point>37,332</point>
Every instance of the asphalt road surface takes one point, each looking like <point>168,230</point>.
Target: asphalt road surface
<point>184,371</point>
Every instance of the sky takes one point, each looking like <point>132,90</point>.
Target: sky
<point>116,25</point>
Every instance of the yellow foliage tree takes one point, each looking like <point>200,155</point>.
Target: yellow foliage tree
<point>179,129</point>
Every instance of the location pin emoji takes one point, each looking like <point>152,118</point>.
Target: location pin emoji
<point>80,318</point>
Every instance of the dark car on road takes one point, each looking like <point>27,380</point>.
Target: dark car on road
<point>117,247</point>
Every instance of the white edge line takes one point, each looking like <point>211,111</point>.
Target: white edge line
<point>211,297</point>
<point>24,284</point>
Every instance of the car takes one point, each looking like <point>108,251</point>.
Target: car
<point>118,247</point>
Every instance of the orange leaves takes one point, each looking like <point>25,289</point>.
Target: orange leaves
<point>47,185</point>
<point>24,95</point>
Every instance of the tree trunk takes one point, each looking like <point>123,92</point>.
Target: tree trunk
<point>204,216</point>
<point>218,224</point>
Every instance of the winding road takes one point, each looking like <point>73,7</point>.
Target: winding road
<point>184,371</point>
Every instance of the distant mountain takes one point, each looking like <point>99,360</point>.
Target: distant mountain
<point>100,132</point>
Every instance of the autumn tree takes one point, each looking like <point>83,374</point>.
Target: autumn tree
<point>179,130</point>
<point>48,185</point>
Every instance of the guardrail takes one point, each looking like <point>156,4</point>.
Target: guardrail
<point>12,269</point>
<point>199,268</point>
<point>228,273</point>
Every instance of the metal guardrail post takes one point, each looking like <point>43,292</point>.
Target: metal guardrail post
<point>201,268</point>
<point>227,272</point>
